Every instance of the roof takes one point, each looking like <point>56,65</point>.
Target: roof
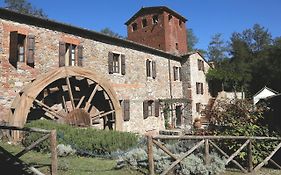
<point>275,92</point>
<point>157,9</point>
<point>82,32</point>
<point>199,53</point>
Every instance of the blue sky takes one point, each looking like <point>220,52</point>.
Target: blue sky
<point>205,17</point>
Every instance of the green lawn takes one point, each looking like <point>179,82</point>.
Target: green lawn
<point>71,165</point>
<point>75,165</point>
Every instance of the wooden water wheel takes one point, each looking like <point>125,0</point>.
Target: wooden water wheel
<point>71,95</point>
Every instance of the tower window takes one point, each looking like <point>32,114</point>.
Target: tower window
<point>144,22</point>
<point>155,19</point>
<point>135,26</point>
<point>177,46</point>
<point>180,23</point>
<point>170,17</point>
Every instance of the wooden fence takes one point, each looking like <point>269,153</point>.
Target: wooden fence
<point>208,141</point>
<point>51,134</point>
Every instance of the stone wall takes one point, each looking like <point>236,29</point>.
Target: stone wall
<point>198,76</point>
<point>134,85</point>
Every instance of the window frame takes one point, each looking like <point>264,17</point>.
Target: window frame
<point>134,26</point>
<point>177,73</point>
<point>155,19</point>
<point>199,88</point>
<point>144,22</point>
<point>150,66</point>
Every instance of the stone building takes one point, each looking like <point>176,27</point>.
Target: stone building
<point>57,71</point>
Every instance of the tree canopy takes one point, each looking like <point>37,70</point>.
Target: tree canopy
<point>109,32</point>
<point>250,60</point>
<point>25,7</point>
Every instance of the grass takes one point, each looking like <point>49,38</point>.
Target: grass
<point>71,165</point>
<point>75,165</point>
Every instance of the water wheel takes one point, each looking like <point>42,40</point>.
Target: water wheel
<point>71,95</point>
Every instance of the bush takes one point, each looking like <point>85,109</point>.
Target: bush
<point>191,165</point>
<point>241,118</point>
<point>84,140</point>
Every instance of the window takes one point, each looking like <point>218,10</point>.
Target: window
<point>135,26</point>
<point>150,108</point>
<point>116,63</point>
<point>200,65</point>
<point>21,49</point>
<point>70,54</point>
<point>199,88</point>
<point>155,19</point>
<point>151,68</point>
<point>170,17</point>
<point>177,73</point>
<point>180,23</point>
<point>198,107</point>
<point>177,46</point>
<point>144,22</point>
<point>125,104</point>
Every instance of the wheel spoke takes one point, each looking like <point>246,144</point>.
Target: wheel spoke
<point>70,93</point>
<point>80,102</point>
<point>50,110</point>
<point>88,103</point>
<point>101,115</point>
<point>64,104</point>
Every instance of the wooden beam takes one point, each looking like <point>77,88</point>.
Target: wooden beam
<point>192,137</point>
<point>182,157</point>
<point>237,152</point>
<point>88,103</point>
<point>250,157</point>
<point>165,149</point>
<point>70,92</point>
<point>64,104</point>
<point>207,152</point>
<point>267,158</point>
<point>227,156</point>
<point>150,155</point>
<point>101,115</point>
<point>47,107</point>
<point>274,163</point>
<point>25,150</point>
<point>54,164</point>
<point>80,102</point>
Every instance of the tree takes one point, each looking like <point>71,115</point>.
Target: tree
<point>217,49</point>
<point>109,32</point>
<point>25,7</point>
<point>192,40</point>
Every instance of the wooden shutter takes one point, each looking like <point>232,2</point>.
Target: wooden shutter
<point>199,64</point>
<point>61,54</point>
<point>203,68</point>
<point>145,109</point>
<point>153,69</point>
<point>13,57</point>
<point>197,88</point>
<point>180,73</point>
<point>70,55</point>
<point>202,88</point>
<point>147,68</point>
<point>110,62</point>
<point>126,105</point>
<point>175,73</point>
<point>123,66</point>
<point>80,55</point>
<point>30,50</point>
<point>157,106</point>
